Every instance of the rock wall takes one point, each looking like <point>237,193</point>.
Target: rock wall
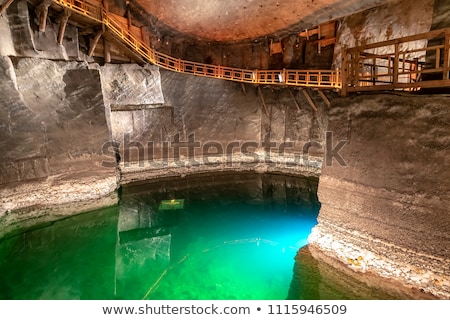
<point>393,20</point>
<point>218,123</point>
<point>52,128</point>
<point>28,41</point>
<point>7,47</point>
<point>387,211</point>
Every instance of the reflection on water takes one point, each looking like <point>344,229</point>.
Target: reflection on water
<point>236,238</point>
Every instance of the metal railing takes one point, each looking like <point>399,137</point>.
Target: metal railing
<point>305,78</point>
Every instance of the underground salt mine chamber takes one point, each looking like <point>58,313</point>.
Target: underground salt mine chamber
<point>259,150</point>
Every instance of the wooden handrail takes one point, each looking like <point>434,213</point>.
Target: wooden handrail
<point>388,71</point>
<point>390,65</point>
<point>304,78</point>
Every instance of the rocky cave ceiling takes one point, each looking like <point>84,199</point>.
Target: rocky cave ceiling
<point>235,20</point>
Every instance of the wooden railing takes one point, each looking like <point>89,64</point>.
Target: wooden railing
<point>402,63</point>
<point>305,78</point>
<point>408,63</point>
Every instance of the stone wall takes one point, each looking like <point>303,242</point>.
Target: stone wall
<point>392,20</point>
<point>386,211</point>
<point>224,121</point>
<point>52,129</point>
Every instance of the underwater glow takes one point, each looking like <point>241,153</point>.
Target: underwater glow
<point>236,237</point>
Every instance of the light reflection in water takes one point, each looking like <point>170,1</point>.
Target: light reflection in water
<point>236,238</point>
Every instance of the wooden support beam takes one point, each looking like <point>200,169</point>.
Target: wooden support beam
<point>324,98</point>
<point>143,36</point>
<point>307,96</point>
<point>244,91</point>
<point>344,72</point>
<point>105,4</point>
<point>295,100</point>
<point>263,101</point>
<point>128,13</point>
<point>62,25</point>
<point>5,6</point>
<point>42,12</point>
<point>94,43</point>
<point>396,64</point>
<point>446,65</point>
<point>107,51</point>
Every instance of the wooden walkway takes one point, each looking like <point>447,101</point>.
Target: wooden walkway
<point>328,79</point>
<point>387,65</point>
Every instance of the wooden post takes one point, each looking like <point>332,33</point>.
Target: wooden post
<point>356,68</point>
<point>438,58</point>
<point>128,14</point>
<point>94,43</point>
<point>43,19</point>
<point>396,64</point>
<point>311,103</point>
<point>104,13</point>
<point>105,4</point>
<point>42,12</point>
<point>244,91</point>
<point>344,73</point>
<point>263,101</point>
<point>324,98</point>
<point>295,100</point>
<point>446,66</point>
<point>5,6</point>
<point>107,51</point>
<point>62,25</point>
<point>143,37</point>
<point>374,70</point>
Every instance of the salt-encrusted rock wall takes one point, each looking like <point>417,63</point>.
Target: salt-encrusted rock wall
<point>28,41</point>
<point>394,19</point>
<point>387,211</point>
<point>52,132</point>
<point>219,118</point>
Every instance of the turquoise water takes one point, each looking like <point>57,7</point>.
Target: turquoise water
<point>236,238</point>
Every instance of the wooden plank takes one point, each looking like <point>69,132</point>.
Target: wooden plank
<point>122,20</point>
<point>275,47</point>
<point>308,33</point>
<point>324,98</point>
<point>295,100</point>
<point>328,29</point>
<point>263,101</point>
<point>310,101</point>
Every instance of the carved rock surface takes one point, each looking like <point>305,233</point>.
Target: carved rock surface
<point>52,129</point>
<point>387,211</point>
